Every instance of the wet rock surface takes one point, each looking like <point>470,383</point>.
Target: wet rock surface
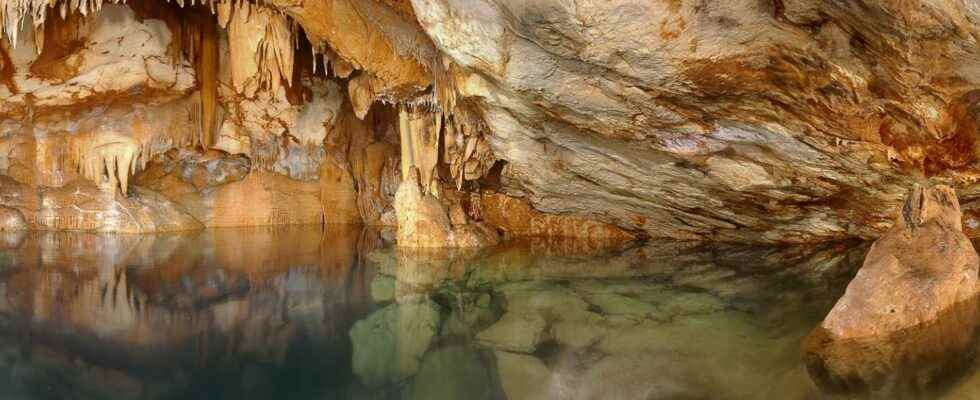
<point>12,219</point>
<point>919,269</point>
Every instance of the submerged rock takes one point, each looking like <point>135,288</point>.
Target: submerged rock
<point>524,377</point>
<point>389,344</point>
<point>920,268</point>
<point>453,372</point>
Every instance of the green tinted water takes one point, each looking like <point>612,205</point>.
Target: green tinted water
<point>303,313</point>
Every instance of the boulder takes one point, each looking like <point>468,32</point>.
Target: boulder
<point>389,344</point>
<point>919,359</point>
<point>919,269</point>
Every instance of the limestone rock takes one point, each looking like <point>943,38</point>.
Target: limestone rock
<point>338,194</point>
<point>909,360</point>
<point>524,377</point>
<point>82,206</point>
<point>452,372</point>
<point>263,198</point>
<point>518,332</point>
<point>920,268</point>
<point>784,121</point>
<point>518,218</point>
<point>112,54</point>
<point>423,221</point>
<point>389,344</point>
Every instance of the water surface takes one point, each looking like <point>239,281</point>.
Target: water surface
<point>337,313</point>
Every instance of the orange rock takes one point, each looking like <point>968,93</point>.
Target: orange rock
<point>337,194</point>
<point>11,219</point>
<point>263,198</point>
<point>424,223</point>
<point>516,217</point>
<point>919,269</point>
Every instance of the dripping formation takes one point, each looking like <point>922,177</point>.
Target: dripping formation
<point>265,89</point>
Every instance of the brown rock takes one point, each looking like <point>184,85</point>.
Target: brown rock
<point>516,217</point>
<point>337,194</point>
<point>920,268</point>
<point>218,189</point>
<point>906,361</point>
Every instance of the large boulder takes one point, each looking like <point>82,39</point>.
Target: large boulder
<point>920,268</point>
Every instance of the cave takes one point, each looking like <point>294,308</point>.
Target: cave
<point>494,199</point>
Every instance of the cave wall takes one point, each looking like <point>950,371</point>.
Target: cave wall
<point>778,121</point>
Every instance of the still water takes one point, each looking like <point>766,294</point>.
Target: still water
<point>337,313</point>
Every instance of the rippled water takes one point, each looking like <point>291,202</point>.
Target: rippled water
<point>305,313</point>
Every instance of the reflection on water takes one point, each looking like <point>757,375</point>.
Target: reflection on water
<point>305,313</point>
<point>920,361</point>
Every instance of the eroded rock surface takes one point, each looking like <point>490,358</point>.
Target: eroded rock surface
<point>220,190</point>
<point>781,121</point>
<point>919,269</point>
<point>82,206</point>
<point>775,121</point>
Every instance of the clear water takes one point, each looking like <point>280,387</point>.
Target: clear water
<point>307,313</point>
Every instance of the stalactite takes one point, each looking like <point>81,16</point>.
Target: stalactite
<point>107,158</point>
<point>207,77</point>
<point>419,134</point>
<point>361,94</point>
<point>261,46</point>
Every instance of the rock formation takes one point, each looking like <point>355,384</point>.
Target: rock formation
<point>777,121</point>
<point>423,221</point>
<point>910,313</point>
<point>920,268</point>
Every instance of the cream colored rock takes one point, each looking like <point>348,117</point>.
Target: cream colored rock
<point>82,206</point>
<point>117,56</point>
<point>915,272</point>
<point>423,221</point>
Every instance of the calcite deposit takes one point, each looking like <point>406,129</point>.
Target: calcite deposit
<point>782,121</point>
